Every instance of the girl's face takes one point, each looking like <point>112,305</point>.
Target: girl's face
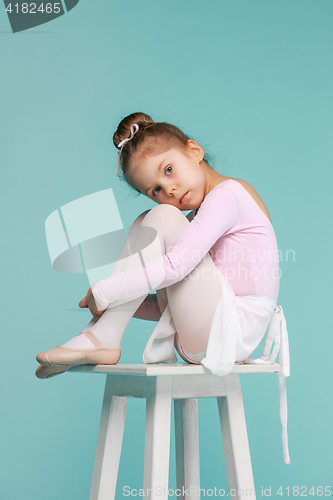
<point>167,177</point>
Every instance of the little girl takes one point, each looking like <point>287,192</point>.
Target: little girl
<point>215,271</point>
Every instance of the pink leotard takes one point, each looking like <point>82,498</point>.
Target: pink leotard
<point>232,228</point>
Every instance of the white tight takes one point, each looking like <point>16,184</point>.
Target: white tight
<point>192,301</point>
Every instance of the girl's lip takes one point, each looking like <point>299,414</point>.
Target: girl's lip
<point>183,197</point>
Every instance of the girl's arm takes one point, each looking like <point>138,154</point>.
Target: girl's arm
<point>217,215</point>
<point>149,309</point>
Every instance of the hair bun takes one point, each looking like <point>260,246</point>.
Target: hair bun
<point>124,128</point>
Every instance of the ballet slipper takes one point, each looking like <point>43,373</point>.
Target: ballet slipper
<point>64,356</point>
<point>182,353</point>
<point>44,372</point>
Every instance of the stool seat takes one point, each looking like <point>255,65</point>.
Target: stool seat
<point>159,384</point>
<point>153,370</point>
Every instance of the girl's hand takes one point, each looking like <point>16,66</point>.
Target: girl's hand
<point>90,302</point>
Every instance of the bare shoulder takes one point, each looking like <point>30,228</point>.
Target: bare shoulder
<point>250,189</point>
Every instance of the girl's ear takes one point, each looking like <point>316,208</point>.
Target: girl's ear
<point>194,149</point>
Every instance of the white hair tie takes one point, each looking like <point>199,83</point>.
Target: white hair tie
<point>134,128</point>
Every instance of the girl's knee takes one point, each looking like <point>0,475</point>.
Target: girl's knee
<point>139,219</point>
<point>166,208</point>
<point>164,212</point>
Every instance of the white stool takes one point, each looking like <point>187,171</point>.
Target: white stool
<point>159,384</point>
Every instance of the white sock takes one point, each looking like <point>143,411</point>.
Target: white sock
<point>110,327</point>
<point>81,341</point>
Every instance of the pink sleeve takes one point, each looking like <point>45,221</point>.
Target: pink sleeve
<point>217,214</point>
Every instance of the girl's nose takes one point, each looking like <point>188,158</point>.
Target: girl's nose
<point>170,190</point>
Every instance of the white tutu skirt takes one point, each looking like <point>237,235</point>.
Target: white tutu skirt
<point>239,324</point>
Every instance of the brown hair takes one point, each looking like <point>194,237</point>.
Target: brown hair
<point>152,138</point>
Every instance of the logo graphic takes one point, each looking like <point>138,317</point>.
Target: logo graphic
<point>25,15</point>
<point>87,236</point>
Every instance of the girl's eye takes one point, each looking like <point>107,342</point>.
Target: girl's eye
<point>166,170</point>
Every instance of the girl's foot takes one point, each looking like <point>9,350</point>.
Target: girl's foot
<point>89,353</point>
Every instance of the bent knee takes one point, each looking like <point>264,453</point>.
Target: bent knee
<point>139,219</point>
<point>165,211</point>
<point>165,217</point>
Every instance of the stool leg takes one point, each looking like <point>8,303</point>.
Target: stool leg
<point>235,440</point>
<point>157,438</point>
<point>109,445</point>
<point>187,448</point>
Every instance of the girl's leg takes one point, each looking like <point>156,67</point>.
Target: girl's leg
<point>109,328</point>
<point>192,301</point>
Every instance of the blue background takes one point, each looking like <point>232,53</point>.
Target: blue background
<point>249,80</point>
